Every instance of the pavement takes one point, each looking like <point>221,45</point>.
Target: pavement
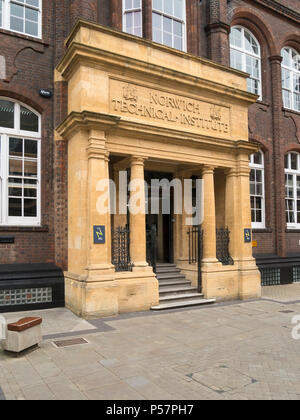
<point>230,351</point>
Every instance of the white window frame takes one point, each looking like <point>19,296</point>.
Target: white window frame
<point>6,16</point>
<point>294,173</point>
<point>260,167</point>
<point>5,134</point>
<point>128,11</point>
<point>174,18</point>
<point>246,53</point>
<point>293,73</point>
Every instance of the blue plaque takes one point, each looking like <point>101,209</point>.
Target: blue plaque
<point>247,236</point>
<point>99,234</point>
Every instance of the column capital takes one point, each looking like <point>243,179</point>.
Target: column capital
<point>137,160</point>
<point>208,169</point>
<point>97,151</point>
<point>217,27</point>
<point>230,172</point>
<point>244,171</point>
<point>96,145</point>
<point>276,59</point>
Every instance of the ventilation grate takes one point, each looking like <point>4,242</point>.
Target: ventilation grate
<point>270,276</point>
<point>71,342</point>
<point>25,296</point>
<point>296,274</point>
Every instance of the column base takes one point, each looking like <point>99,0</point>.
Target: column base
<point>138,291</point>
<point>141,265</point>
<point>239,281</point>
<point>110,295</point>
<point>249,280</point>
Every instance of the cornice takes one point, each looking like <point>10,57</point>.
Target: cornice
<point>80,53</point>
<point>142,41</point>
<point>85,120</point>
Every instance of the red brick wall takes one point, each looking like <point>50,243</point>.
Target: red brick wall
<point>292,242</point>
<point>274,129</point>
<point>30,65</point>
<point>30,68</point>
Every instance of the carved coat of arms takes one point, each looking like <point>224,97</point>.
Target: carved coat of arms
<point>215,113</point>
<point>130,93</point>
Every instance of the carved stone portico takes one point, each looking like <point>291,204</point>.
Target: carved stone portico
<point>138,106</point>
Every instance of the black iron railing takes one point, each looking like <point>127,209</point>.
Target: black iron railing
<point>223,239</point>
<point>151,247</point>
<point>120,249</point>
<point>195,235</point>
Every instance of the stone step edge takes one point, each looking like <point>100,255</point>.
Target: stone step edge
<point>166,276</point>
<point>185,304</point>
<point>174,289</point>
<point>181,296</point>
<point>171,280</point>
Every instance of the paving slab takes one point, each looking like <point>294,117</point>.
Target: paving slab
<point>240,351</point>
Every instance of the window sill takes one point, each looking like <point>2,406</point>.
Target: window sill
<point>24,229</point>
<point>24,36</point>
<point>291,111</point>
<point>290,230</point>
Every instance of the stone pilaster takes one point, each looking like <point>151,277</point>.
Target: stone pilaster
<point>98,256</point>
<point>218,31</point>
<point>278,159</point>
<point>249,285</point>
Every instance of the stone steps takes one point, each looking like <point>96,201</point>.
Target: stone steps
<point>175,291</point>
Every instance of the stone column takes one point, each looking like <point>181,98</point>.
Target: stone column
<point>120,220</point>
<point>209,222</point>
<point>182,232</point>
<point>138,221</point>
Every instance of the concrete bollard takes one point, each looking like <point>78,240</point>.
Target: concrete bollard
<point>22,335</point>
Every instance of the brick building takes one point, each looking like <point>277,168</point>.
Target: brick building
<point>260,37</point>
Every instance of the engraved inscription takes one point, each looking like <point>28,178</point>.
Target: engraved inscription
<point>150,104</point>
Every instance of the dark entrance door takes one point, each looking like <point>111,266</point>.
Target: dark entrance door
<point>163,222</point>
